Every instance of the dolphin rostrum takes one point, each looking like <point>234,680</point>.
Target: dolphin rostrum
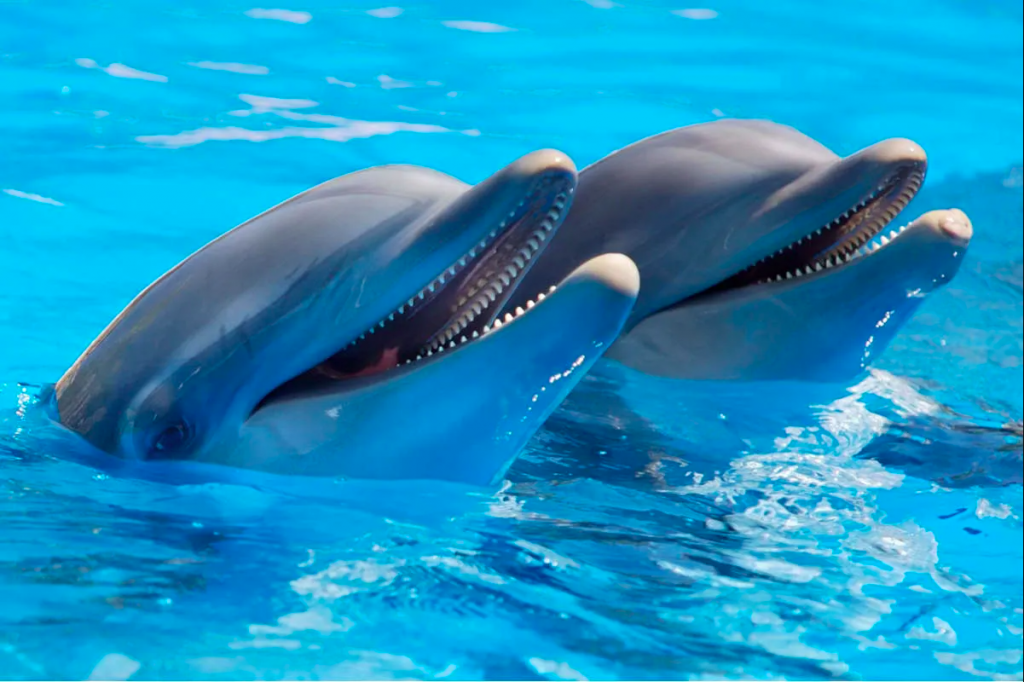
<point>353,331</point>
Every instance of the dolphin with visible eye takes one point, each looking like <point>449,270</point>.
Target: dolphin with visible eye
<point>763,254</point>
<point>354,331</point>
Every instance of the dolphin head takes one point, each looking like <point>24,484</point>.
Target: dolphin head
<point>344,282</point>
<point>731,217</point>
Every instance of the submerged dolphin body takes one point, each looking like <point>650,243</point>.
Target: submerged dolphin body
<point>763,254</point>
<point>351,331</point>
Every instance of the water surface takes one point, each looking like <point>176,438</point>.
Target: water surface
<point>653,529</point>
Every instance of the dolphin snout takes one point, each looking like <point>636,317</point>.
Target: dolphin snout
<point>615,271</point>
<point>950,223</point>
<point>541,162</point>
<point>897,151</point>
<point>957,225</point>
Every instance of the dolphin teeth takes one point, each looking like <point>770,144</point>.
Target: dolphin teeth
<point>519,311</point>
<point>422,294</point>
<point>390,317</point>
<point>463,339</point>
<point>496,325</point>
<point>429,353</point>
<point>789,275</point>
<point>532,243</point>
<point>483,242</point>
<point>893,234</point>
<point>494,232</point>
<point>540,297</point>
<point>551,290</point>
<point>451,270</point>
<point>519,262</point>
<point>530,304</point>
<point>440,280</point>
<point>472,253</point>
<point>491,295</point>
<point>508,317</point>
<point>807,270</point>
<point>477,308</point>
<point>884,240</point>
<point>505,279</point>
<point>462,262</point>
<point>552,214</point>
<point>431,286</point>
<point>452,344</point>
<point>501,225</point>
<point>476,334</point>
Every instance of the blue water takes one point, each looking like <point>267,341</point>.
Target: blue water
<point>653,529</point>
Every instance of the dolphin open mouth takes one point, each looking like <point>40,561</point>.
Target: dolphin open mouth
<point>857,232</point>
<point>461,303</point>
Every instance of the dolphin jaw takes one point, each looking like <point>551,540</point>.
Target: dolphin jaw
<point>482,279</point>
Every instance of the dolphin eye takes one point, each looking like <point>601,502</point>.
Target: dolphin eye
<point>170,441</point>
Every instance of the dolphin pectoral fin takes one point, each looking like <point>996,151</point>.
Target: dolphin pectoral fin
<point>463,414</point>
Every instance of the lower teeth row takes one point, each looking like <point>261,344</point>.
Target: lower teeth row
<point>832,261</point>
<point>453,343</point>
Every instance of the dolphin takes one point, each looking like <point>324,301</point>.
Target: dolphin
<point>763,254</point>
<point>352,331</point>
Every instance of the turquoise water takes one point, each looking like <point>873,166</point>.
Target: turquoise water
<point>653,529</point>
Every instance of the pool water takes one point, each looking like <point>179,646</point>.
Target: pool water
<point>653,529</point>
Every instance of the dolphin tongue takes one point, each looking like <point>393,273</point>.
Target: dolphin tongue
<point>388,360</point>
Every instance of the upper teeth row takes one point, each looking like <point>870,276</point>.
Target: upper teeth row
<point>861,243</point>
<point>497,324</point>
<point>439,281</point>
<point>841,219</point>
<point>491,291</point>
<point>837,259</point>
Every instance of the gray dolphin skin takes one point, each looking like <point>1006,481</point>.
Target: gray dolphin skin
<point>352,331</point>
<point>763,254</point>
